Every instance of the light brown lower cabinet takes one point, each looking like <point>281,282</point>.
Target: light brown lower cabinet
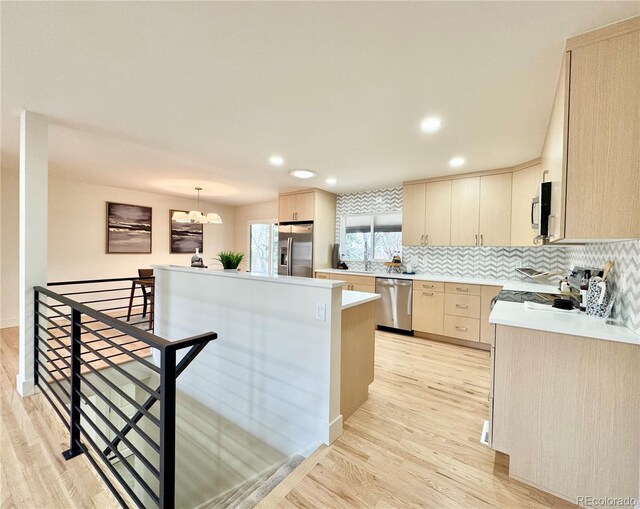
<point>487,330</point>
<point>460,327</point>
<point>566,409</point>
<point>428,311</point>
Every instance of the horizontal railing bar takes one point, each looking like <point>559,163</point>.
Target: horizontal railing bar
<point>151,366</point>
<point>135,332</point>
<point>104,477</point>
<point>133,402</point>
<point>122,459</point>
<point>54,309</point>
<point>112,469</point>
<point>119,317</point>
<point>126,297</point>
<point>127,288</point>
<point>143,434</point>
<point>44,329</point>
<point>123,372</point>
<point>55,380</point>
<point>90,281</point>
<point>57,369</point>
<point>121,393</point>
<point>55,407</point>
<point>115,430</point>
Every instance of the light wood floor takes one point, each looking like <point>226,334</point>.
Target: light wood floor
<point>33,473</point>
<point>415,442</point>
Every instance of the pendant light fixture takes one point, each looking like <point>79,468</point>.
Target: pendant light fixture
<point>195,216</point>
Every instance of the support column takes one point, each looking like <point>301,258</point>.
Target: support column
<point>34,176</point>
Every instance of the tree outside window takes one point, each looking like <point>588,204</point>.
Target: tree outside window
<point>378,236</point>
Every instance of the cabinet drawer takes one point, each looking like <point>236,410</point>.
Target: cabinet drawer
<point>462,328</point>
<point>356,280</point>
<point>428,312</point>
<point>462,289</point>
<point>360,288</point>
<point>429,286</point>
<point>322,275</point>
<point>462,305</point>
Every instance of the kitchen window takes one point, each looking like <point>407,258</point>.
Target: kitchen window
<point>374,236</point>
<point>263,247</point>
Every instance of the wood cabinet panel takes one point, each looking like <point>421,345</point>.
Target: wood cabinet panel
<point>553,158</point>
<point>487,330</point>
<point>525,186</point>
<point>462,305</point>
<point>428,312</point>
<point>413,214</point>
<point>603,172</point>
<point>465,211</point>
<point>462,328</point>
<point>495,210</point>
<point>286,208</point>
<point>305,206</point>
<point>437,220</point>
<point>429,286</point>
<point>322,275</point>
<point>463,289</point>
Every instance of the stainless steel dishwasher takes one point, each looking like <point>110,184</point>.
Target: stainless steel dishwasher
<point>394,305</point>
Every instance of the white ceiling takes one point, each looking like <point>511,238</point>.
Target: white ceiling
<point>163,96</point>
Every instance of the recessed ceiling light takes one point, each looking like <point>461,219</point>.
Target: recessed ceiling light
<point>431,124</point>
<point>276,160</point>
<point>332,181</point>
<point>302,174</point>
<point>456,162</point>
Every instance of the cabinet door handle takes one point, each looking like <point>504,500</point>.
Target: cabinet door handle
<point>426,240</point>
<point>428,286</point>
<point>476,236</point>
<point>428,294</point>
<point>422,239</point>
<point>461,328</point>
<point>462,306</point>
<point>462,289</point>
<point>481,239</point>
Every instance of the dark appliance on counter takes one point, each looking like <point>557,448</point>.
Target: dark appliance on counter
<point>295,249</point>
<point>540,216</point>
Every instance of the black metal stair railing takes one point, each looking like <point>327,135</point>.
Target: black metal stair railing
<point>98,373</point>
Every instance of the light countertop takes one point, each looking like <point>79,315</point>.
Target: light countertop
<point>351,299</point>
<point>508,284</point>
<point>514,314</point>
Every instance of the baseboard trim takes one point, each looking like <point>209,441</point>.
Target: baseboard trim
<point>25,387</point>
<point>335,429</point>
<point>454,341</point>
<point>7,323</point>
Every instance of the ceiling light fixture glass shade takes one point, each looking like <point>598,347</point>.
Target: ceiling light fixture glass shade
<point>195,216</point>
<point>431,124</point>
<point>302,174</point>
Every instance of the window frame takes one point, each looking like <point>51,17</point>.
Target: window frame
<point>272,250</point>
<point>374,215</point>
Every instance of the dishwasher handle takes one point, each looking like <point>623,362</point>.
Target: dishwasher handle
<point>393,282</point>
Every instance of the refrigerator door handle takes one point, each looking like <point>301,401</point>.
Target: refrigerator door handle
<point>290,257</point>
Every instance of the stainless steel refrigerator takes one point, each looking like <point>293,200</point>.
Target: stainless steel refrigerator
<point>295,249</point>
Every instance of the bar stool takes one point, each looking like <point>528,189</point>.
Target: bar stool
<point>145,282</point>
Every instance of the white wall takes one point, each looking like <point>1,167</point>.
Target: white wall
<point>245,214</point>
<point>9,243</point>
<point>77,234</point>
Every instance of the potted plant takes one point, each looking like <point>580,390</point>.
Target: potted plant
<point>230,259</point>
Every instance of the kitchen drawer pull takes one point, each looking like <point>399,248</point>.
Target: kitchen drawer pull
<point>462,328</point>
<point>462,306</point>
<point>428,294</point>
<point>461,289</point>
<point>428,286</point>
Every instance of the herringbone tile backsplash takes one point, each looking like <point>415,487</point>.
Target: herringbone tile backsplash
<point>500,262</point>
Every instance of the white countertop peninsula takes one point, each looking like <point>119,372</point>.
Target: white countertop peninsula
<point>275,369</point>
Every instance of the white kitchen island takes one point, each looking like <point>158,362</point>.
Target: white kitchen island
<point>275,369</point>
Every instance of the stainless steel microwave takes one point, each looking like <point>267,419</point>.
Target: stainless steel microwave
<point>540,212</point>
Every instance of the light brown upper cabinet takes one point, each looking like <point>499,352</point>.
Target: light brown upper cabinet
<point>525,185</point>
<point>437,228</point>
<point>465,211</point>
<point>426,216</point>
<point>591,151</point>
<point>495,210</point>
<point>296,207</point>
<point>413,210</point>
